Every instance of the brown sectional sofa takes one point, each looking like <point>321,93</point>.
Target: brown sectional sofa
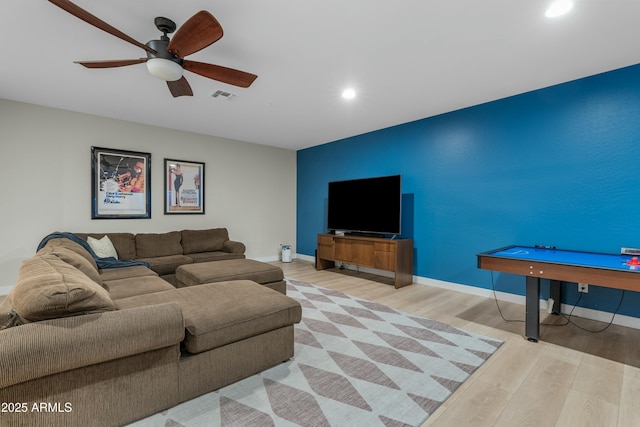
<point>105,347</point>
<point>165,252</point>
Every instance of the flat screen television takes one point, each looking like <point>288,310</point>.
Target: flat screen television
<point>369,205</point>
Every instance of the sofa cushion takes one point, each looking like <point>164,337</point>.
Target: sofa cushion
<point>107,274</point>
<point>125,243</point>
<point>150,245</point>
<point>125,288</point>
<point>210,240</point>
<point>226,312</point>
<point>69,244</point>
<point>214,256</point>
<point>48,288</point>
<point>72,258</point>
<point>166,264</point>
<point>103,248</point>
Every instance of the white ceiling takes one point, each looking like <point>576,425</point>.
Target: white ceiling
<point>407,59</point>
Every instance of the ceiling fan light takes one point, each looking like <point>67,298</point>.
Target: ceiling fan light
<point>164,69</point>
<point>558,8</point>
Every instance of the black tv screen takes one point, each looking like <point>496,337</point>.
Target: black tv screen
<point>370,205</point>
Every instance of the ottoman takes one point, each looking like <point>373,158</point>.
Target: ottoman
<point>232,331</point>
<point>232,269</point>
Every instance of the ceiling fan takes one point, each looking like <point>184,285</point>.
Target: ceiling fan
<point>165,57</point>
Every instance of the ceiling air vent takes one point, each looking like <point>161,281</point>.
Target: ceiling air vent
<point>223,95</point>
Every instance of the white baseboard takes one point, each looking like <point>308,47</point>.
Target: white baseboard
<point>585,313</point>
<point>305,257</point>
<point>277,258</point>
<point>268,259</point>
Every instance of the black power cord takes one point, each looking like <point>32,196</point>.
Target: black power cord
<point>568,318</point>
<point>495,297</point>
<point>597,331</point>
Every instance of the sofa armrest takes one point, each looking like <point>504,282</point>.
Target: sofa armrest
<point>234,247</point>
<point>43,348</point>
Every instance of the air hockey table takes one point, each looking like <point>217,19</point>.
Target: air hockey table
<point>543,262</point>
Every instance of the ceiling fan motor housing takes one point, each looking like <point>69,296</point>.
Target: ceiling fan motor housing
<point>160,46</point>
<point>163,64</point>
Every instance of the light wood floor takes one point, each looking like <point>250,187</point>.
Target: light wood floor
<point>569,378</point>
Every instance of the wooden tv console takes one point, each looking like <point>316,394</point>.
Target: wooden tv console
<point>376,252</point>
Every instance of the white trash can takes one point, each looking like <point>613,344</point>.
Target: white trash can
<point>286,253</point>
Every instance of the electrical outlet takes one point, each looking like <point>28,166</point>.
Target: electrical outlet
<point>583,287</point>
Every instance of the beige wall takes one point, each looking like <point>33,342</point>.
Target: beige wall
<point>45,179</point>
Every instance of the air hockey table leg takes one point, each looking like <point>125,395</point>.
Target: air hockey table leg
<point>532,309</point>
<point>555,292</point>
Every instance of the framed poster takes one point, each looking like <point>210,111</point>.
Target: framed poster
<point>183,187</point>
<point>120,184</point>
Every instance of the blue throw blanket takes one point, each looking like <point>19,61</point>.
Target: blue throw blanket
<point>109,262</point>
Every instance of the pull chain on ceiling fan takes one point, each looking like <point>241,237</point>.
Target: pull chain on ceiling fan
<point>165,56</point>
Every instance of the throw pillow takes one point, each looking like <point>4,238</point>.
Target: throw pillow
<point>103,247</point>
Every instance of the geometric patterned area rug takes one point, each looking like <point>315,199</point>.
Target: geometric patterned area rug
<point>356,363</point>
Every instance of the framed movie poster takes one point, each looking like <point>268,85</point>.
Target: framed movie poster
<point>120,184</point>
<point>183,187</point>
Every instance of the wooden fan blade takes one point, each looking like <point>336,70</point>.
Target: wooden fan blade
<point>78,12</point>
<point>180,88</point>
<point>200,31</point>
<point>111,63</point>
<point>222,74</point>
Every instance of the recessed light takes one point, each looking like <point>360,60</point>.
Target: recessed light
<point>558,8</point>
<point>349,93</point>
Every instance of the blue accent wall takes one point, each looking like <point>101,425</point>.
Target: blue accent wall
<point>558,166</point>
